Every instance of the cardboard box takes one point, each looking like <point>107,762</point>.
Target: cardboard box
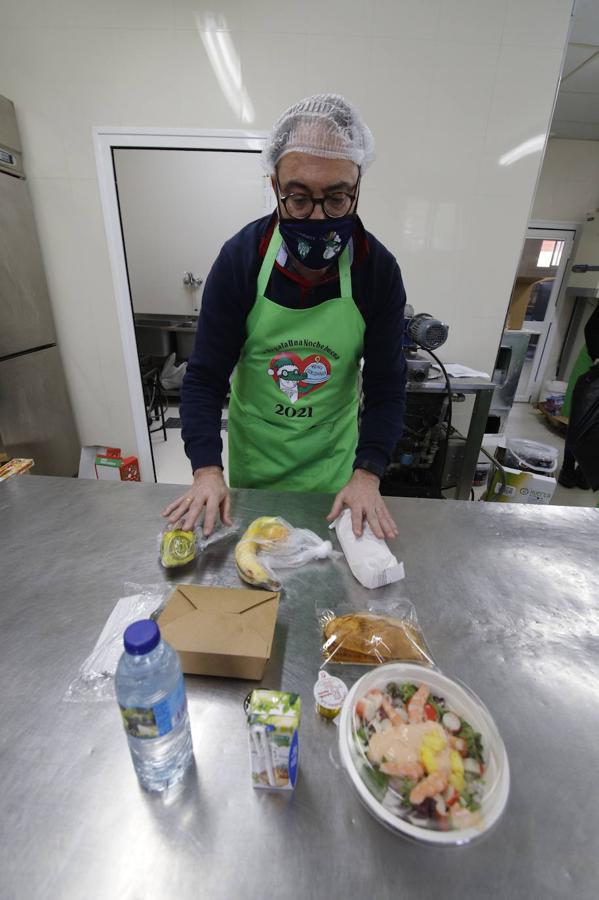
<point>221,631</point>
<point>111,467</point>
<point>522,295</point>
<point>519,303</point>
<point>521,487</point>
<point>106,464</point>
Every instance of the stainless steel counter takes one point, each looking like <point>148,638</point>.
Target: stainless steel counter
<point>509,601</point>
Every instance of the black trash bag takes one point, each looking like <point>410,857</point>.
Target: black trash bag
<point>583,425</point>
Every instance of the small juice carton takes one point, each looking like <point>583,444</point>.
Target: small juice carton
<point>273,723</point>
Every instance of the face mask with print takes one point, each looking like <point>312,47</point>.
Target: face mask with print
<point>316,243</point>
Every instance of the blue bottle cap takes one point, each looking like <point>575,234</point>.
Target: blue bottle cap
<point>141,637</point>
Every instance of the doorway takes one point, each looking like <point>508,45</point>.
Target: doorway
<point>533,303</point>
<point>170,202</point>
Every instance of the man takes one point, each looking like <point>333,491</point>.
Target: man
<point>571,475</point>
<point>293,303</point>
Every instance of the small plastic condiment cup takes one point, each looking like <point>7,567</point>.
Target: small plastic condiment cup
<point>329,693</point>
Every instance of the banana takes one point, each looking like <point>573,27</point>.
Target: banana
<point>250,570</point>
<point>260,535</point>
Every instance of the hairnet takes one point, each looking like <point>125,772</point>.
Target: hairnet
<point>323,125</point>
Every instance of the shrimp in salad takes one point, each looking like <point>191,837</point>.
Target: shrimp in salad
<point>433,784</point>
<point>416,705</point>
<point>424,753</point>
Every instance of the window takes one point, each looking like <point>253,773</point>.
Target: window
<point>550,254</point>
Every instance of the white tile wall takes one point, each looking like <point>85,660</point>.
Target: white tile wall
<point>464,78</point>
<point>263,56</point>
<point>472,21</point>
<point>447,86</point>
<point>337,65</point>
<point>538,23</point>
<point>156,14</point>
<point>21,13</point>
<point>307,17</point>
<point>399,85</point>
<point>226,14</point>
<point>146,69</point>
<point>406,19</point>
<point>197,101</point>
<point>528,76</point>
<point>83,103</point>
<point>42,138</point>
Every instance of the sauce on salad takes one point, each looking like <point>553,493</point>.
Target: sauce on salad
<point>402,743</point>
<point>422,760</point>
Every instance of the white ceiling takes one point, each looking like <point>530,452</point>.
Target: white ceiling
<point>577,109</point>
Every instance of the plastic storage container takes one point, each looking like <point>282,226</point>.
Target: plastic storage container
<point>553,396</point>
<point>465,703</point>
<point>151,694</point>
<point>481,473</point>
<point>530,456</point>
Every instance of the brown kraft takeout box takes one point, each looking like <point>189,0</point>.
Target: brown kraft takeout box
<point>220,631</point>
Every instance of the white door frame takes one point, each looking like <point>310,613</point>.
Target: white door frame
<point>105,140</point>
<point>551,231</point>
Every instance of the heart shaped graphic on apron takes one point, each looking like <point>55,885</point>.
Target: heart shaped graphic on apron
<point>290,371</point>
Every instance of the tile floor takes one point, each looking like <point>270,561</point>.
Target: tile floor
<point>172,466</point>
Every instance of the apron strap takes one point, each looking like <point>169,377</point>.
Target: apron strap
<point>345,275</point>
<point>271,255</point>
<point>268,261</point>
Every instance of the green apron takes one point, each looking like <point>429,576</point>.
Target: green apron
<point>583,364</point>
<point>293,413</point>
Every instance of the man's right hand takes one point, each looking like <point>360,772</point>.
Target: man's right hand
<point>208,491</point>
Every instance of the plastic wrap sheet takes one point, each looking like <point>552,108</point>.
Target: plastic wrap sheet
<point>177,547</point>
<point>95,679</point>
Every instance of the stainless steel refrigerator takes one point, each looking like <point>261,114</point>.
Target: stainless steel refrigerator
<point>36,419</point>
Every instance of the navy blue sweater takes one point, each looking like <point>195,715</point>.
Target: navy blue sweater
<point>229,295</point>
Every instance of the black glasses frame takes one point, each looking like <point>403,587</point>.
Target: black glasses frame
<point>319,201</point>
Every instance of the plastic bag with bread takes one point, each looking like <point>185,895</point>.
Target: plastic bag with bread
<point>369,638</point>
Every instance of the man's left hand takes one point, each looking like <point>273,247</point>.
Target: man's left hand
<point>362,496</point>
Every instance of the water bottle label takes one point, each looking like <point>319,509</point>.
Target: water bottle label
<point>154,721</point>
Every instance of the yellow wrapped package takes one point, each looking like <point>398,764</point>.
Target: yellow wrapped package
<point>177,548</point>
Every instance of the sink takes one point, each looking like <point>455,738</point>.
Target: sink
<point>169,322</point>
<point>153,340</point>
<point>161,335</point>
<point>185,340</point>
<point>153,321</point>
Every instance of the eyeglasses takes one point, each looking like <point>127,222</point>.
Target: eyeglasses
<point>301,206</point>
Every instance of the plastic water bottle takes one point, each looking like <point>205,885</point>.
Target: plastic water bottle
<point>151,694</point>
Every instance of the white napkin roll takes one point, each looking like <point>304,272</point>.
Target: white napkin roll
<point>368,557</point>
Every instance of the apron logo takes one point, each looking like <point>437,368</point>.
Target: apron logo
<point>298,377</point>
